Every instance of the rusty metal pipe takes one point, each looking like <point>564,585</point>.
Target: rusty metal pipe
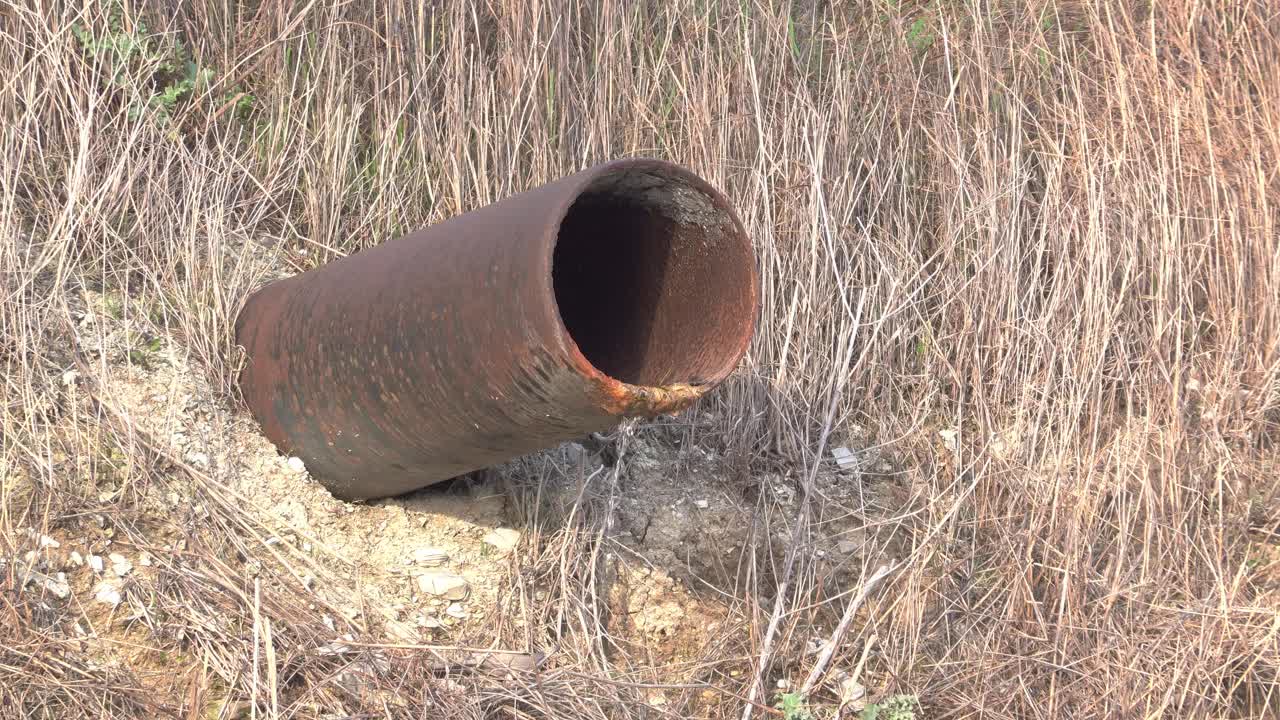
<point>628,289</point>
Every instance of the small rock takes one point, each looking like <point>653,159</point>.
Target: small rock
<point>428,622</point>
<point>337,647</point>
<point>951,438</point>
<point>69,377</point>
<point>296,465</point>
<point>106,592</point>
<point>120,565</point>
<point>56,585</point>
<point>144,559</point>
<point>456,610</point>
<point>702,504</point>
<point>848,547</point>
<point>430,556</point>
<point>845,459</point>
<point>505,539</point>
<point>445,585</point>
<point>853,696</point>
<point>95,562</point>
<point>48,542</point>
<point>76,558</point>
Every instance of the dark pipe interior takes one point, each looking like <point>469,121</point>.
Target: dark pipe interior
<point>652,291</point>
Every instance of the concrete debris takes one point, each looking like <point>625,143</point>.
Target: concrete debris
<point>107,592</point>
<point>504,539</point>
<point>56,585</point>
<point>845,459</point>
<point>430,556</point>
<point>120,565</point>
<point>444,585</point>
<point>337,647</point>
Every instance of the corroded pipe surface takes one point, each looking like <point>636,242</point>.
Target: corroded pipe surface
<point>628,289</point>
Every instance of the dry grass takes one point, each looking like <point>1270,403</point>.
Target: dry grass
<point>1052,228</point>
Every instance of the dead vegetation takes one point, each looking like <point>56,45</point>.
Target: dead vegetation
<point>1022,258</point>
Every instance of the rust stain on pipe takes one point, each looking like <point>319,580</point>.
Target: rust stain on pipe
<point>628,289</point>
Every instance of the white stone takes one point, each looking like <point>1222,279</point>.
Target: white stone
<point>106,592</point>
<point>120,565</point>
<point>456,610</point>
<point>296,465</point>
<point>505,539</point>
<point>445,585</point>
<point>845,458</point>
<point>76,558</point>
<point>430,556</point>
<point>95,562</point>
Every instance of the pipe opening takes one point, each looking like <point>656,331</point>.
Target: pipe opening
<point>653,279</point>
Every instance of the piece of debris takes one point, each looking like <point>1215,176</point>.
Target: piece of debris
<point>702,504</point>
<point>199,459</point>
<point>428,622</point>
<point>145,559</point>
<point>337,647</point>
<point>56,585</point>
<point>456,610</point>
<point>120,565</point>
<point>853,696</point>
<point>445,585</point>
<point>96,563</point>
<point>430,556</point>
<point>848,547</point>
<point>48,542</point>
<point>76,558</point>
<point>296,465</point>
<point>951,438</point>
<point>107,592</point>
<point>504,539</point>
<point>845,459</point>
